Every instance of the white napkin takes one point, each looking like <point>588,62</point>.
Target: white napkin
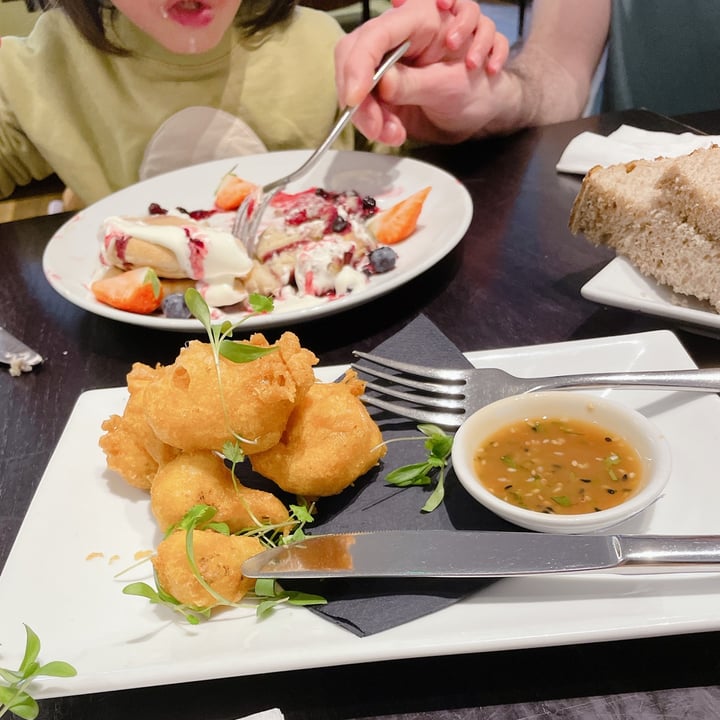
<point>625,144</point>
<point>273,714</point>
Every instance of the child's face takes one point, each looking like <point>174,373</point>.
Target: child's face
<point>181,26</point>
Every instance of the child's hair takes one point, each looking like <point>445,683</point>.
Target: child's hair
<point>87,16</point>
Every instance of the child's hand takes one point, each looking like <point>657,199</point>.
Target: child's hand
<point>466,27</point>
<point>452,42</point>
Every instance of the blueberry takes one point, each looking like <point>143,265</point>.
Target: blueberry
<point>174,306</point>
<point>369,206</point>
<point>340,224</point>
<point>382,259</point>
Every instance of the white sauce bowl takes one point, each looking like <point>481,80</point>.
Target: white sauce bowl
<point>613,416</point>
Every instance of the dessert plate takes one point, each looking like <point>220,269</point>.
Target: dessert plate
<point>71,259</point>
<point>621,285</point>
<point>69,591</point>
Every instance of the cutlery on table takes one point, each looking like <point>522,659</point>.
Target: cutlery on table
<point>465,554</point>
<point>446,397</point>
<point>16,354</point>
<point>250,213</point>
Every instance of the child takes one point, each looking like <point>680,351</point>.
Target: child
<point>105,95</point>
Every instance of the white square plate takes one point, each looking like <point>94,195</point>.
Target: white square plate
<point>85,524</point>
<point>621,285</point>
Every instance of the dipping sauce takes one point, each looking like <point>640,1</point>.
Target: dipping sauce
<point>557,465</point>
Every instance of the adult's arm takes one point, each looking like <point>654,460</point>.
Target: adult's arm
<point>440,31</point>
<point>548,80</point>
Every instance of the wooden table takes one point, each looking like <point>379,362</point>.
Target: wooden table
<point>515,279</point>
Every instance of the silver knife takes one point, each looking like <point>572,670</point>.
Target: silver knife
<point>463,554</point>
<point>16,354</point>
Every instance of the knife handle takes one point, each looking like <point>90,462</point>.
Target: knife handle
<point>665,550</point>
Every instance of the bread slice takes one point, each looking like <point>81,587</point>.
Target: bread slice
<point>624,207</point>
<point>692,188</point>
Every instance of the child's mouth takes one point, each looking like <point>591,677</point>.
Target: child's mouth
<point>190,13</point>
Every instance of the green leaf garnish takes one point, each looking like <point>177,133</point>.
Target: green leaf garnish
<point>242,353</point>
<point>199,308</point>
<point>260,303</point>
<point>152,278</point>
<point>200,517</point>
<point>439,446</point>
<point>159,597</point>
<point>271,594</point>
<point>14,697</point>
<point>415,474</point>
<point>219,336</point>
<point>563,500</point>
<point>233,452</point>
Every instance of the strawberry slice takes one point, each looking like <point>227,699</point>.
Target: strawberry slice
<point>137,290</point>
<point>398,222</point>
<point>232,191</point>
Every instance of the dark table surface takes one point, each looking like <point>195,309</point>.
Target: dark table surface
<point>514,279</point>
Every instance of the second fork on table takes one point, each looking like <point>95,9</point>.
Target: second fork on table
<point>444,396</point>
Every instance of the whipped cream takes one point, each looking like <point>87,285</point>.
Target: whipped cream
<point>321,267</point>
<point>202,252</point>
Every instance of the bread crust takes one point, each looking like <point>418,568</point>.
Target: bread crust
<point>633,208</point>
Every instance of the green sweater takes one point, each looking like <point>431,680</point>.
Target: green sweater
<point>89,116</point>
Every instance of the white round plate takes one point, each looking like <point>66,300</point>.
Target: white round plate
<point>71,258</point>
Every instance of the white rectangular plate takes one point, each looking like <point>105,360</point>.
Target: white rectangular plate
<point>621,285</point>
<point>85,524</point>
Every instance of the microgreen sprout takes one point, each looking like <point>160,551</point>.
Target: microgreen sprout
<point>159,597</point>
<point>14,696</point>
<point>200,517</point>
<point>439,445</point>
<point>271,594</point>
<point>234,454</point>
<point>283,533</point>
<point>152,278</point>
<point>219,335</point>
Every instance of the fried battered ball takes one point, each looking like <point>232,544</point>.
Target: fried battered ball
<point>329,442</point>
<point>131,447</point>
<point>218,558</point>
<point>202,478</point>
<point>187,408</point>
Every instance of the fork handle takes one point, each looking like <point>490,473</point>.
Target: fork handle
<point>388,61</point>
<point>703,380</point>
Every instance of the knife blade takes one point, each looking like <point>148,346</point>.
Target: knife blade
<point>16,354</point>
<point>467,554</point>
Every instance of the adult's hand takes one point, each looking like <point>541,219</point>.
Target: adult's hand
<point>451,42</point>
<point>439,103</point>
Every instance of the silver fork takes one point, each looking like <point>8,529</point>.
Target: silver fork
<point>458,393</point>
<point>250,212</point>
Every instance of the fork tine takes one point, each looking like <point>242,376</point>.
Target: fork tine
<point>247,221</point>
<point>257,215</point>
<point>419,370</point>
<point>448,420</point>
<point>452,390</point>
<point>426,400</point>
<point>239,228</point>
